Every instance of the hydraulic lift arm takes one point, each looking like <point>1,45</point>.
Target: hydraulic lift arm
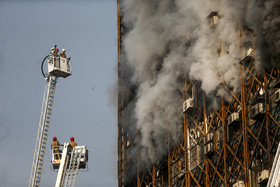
<point>274,178</point>
<point>42,135</point>
<point>57,67</point>
<point>63,166</point>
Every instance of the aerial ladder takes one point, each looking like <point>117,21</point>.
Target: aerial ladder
<point>274,178</point>
<point>71,161</point>
<point>58,66</point>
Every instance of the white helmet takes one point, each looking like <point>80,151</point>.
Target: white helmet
<point>63,50</point>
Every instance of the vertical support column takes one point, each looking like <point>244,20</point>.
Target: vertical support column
<point>244,127</point>
<point>224,143</point>
<point>123,157</point>
<point>186,147</point>
<point>154,176</point>
<point>169,157</point>
<point>244,117</point>
<point>206,130</point>
<point>267,120</point>
<point>119,159</point>
<point>204,114</point>
<point>207,173</point>
<point>119,30</point>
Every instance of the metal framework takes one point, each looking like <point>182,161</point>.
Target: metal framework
<point>57,67</point>
<point>72,172</point>
<point>42,135</point>
<point>274,178</point>
<point>239,147</point>
<point>72,160</point>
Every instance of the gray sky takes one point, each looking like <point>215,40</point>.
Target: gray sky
<point>88,31</point>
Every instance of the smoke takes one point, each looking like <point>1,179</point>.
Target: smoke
<point>168,39</point>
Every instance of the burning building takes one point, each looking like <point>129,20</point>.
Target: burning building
<point>198,101</point>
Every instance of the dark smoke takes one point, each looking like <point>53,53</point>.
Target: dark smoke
<point>169,39</point>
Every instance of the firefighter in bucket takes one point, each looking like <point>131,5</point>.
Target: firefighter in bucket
<point>55,147</point>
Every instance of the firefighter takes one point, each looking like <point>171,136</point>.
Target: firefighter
<point>55,148</point>
<point>73,143</point>
<point>63,55</point>
<point>55,54</point>
<point>52,52</point>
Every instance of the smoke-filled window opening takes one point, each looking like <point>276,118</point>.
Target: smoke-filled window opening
<point>192,152</point>
<point>248,45</point>
<point>193,105</point>
<point>210,126</point>
<point>213,19</point>
<point>219,138</point>
<point>177,165</point>
<point>129,141</point>
<point>208,117</point>
<point>154,175</point>
<point>256,104</point>
<point>259,90</point>
<point>156,171</point>
<point>234,121</point>
<point>188,106</point>
<point>197,120</point>
<point>248,50</point>
<point>196,141</point>
<point>215,129</point>
<point>191,92</point>
<point>194,134</point>
<point>213,102</point>
<point>256,101</point>
<point>155,69</point>
<point>208,145</point>
<point>200,96</point>
<point>162,172</point>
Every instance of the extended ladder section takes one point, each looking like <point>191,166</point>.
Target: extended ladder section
<point>42,135</point>
<point>71,161</point>
<point>274,178</point>
<point>57,67</point>
<point>75,160</point>
<point>63,166</point>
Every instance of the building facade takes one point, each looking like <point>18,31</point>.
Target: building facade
<point>229,142</point>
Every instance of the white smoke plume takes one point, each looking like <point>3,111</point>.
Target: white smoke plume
<point>169,39</point>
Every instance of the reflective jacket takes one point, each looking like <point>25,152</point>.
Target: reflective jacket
<point>55,145</point>
<point>63,55</point>
<point>73,144</point>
